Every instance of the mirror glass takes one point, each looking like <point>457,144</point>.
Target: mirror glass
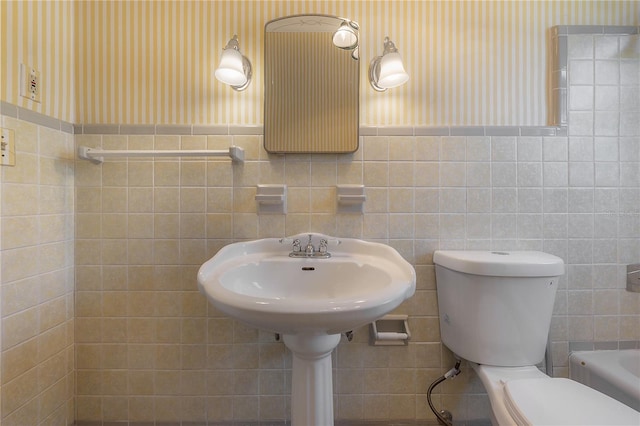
<point>311,86</point>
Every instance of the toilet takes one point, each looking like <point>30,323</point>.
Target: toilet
<point>495,312</point>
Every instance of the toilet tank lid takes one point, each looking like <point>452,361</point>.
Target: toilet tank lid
<point>501,263</point>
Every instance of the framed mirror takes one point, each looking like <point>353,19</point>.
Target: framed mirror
<point>311,85</point>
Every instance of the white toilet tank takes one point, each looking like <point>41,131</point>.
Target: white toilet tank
<point>495,307</point>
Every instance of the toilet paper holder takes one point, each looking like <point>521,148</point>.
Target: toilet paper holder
<point>390,330</point>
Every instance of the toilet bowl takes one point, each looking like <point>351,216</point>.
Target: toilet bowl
<point>525,396</point>
<point>495,311</point>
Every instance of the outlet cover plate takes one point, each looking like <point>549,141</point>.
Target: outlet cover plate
<point>8,147</point>
<point>30,83</point>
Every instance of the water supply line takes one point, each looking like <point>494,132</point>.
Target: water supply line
<point>444,417</point>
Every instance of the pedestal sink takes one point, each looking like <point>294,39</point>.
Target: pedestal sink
<point>310,297</point>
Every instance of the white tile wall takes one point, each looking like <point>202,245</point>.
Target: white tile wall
<point>36,279</point>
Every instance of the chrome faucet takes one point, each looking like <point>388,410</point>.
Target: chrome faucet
<point>309,250</point>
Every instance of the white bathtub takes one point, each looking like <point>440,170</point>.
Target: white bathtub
<point>615,373</point>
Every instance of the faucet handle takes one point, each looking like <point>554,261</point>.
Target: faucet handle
<point>322,248</point>
<point>295,242</point>
<point>324,244</point>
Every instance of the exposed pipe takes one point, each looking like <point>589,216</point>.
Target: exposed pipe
<point>444,417</point>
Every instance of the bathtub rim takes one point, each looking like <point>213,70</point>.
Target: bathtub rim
<point>603,372</point>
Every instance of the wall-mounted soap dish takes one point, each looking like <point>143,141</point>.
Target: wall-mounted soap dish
<point>272,199</point>
<point>351,198</point>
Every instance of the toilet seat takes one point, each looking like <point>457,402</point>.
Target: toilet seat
<point>525,396</point>
<point>559,401</point>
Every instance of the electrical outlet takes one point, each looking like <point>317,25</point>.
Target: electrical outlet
<point>7,147</point>
<point>30,83</point>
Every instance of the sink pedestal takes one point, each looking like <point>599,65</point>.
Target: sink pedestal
<point>312,386</point>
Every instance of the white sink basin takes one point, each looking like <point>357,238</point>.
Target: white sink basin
<point>258,283</point>
<point>310,300</point>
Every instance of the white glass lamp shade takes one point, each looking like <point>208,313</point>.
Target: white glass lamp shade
<point>387,71</point>
<point>231,68</point>
<point>345,37</point>
<point>392,72</point>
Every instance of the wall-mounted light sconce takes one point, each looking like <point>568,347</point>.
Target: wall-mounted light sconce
<point>346,37</point>
<point>387,71</point>
<point>234,68</point>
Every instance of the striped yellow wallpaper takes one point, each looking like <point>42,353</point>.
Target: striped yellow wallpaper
<point>142,62</point>
<point>39,34</point>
